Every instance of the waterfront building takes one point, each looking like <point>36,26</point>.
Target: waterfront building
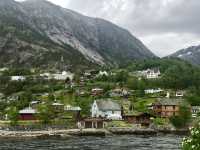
<point>27,114</point>
<point>195,110</point>
<point>108,109</point>
<point>167,107</point>
<point>141,118</point>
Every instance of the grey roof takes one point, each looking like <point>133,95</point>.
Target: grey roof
<point>155,70</point>
<point>195,107</point>
<point>169,101</point>
<point>28,110</point>
<point>106,105</point>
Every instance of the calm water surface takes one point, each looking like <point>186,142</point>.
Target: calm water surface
<point>125,142</point>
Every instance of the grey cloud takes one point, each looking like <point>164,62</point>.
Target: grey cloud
<point>159,23</point>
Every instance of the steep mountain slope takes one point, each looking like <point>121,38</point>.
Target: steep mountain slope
<point>22,45</point>
<point>191,54</point>
<point>39,33</point>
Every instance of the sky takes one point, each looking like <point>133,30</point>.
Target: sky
<point>164,26</point>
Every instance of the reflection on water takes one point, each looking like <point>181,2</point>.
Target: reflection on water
<point>125,142</point>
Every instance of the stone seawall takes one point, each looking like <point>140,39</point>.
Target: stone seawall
<point>132,131</point>
<point>52,133</point>
<point>83,132</point>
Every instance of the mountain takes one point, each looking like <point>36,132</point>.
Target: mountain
<point>37,33</point>
<point>191,54</point>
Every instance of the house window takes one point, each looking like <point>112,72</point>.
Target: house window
<point>174,107</point>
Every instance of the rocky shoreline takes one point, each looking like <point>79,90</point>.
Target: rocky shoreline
<point>83,132</point>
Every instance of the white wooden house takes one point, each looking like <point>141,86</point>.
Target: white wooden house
<point>108,109</point>
<point>18,78</point>
<point>150,73</point>
<point>152,91</point>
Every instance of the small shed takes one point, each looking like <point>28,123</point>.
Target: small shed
<point>27,114</point>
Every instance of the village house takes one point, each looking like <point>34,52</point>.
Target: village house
<point>27,114</point>
<point>153,91</point>
<point>180,93</point>
<point>74,111</point>
<point>89,74</point>
<point>150,73</point>
<point>18,78</point>
<point>96,92</point>
<point>46,76</point>
<point>167,107</point>
<point>63,76</point>
<point>108,109</point>
<point>34,104</point>
<point>72,108</point>
<point>195,110</point>
<point>58,76</point>
<point>86,76</point>
<point>141,118</point>
<point>82,92</point>
<point>102,73</point>
<point>119,92</point>
<point>134,117</point>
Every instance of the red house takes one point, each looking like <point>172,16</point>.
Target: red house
<point>27,114</point>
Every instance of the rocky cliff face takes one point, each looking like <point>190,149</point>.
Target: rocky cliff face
<point>39,33</point>
<point>191,54</point>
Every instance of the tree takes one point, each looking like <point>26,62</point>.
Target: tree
<point>24,99</point>
<point>85,104</point>
<point>121,77</point>
<point>46,113</point>
<point>51,97</point>
<point>132,83</point>
<point>183,118</point>
<point>193,96</point>
<point>13,115</point>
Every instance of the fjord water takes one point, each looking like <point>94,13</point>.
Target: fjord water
<point>121,142</point>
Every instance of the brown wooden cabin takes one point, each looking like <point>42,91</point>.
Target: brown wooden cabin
<point>167,107</point>
<point>97,92</point>
<point>139,118</point>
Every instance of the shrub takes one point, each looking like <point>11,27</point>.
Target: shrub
<point>182,119</point>
<point>192,142</point>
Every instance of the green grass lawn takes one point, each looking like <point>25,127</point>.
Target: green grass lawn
<point>119,124</point>
<point>142,103</point>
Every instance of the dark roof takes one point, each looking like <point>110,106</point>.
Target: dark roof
<point>106,105</point>
<point>169,101</point>
<point>93,119</point>
<point>195,107</point>
<point>155,70</point>
<point>137,114</point>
